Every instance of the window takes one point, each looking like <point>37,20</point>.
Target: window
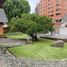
<point>48,7</point>
<point>52,11</point>
<point>52,15</point>
<point>57,4</point>
<point>59,20</point>
<point>49,15</point>
<point>65,0</point>
<point>58,0</point>
<point>52,7</point>
<point>48,4</point>
<point>48,0</point>
<point>58,9</point>
<point>58,13</point>
<point>48,11</point>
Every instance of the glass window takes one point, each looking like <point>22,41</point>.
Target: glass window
<point>58,13</point>
<point>58,9</point>
<point>57,4</point>
<point>58,0</point>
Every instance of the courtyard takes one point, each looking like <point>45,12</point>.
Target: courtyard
<point>32,35</point>
<point>40,50</point>
<point>38,53</point>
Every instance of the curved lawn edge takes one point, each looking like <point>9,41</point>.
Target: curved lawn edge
<point>35,63</point>
<point>39,50</point>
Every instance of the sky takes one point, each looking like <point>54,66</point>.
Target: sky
<point>33,4</point>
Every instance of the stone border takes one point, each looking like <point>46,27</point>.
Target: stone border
<point>24,62</point>
<point>54,38</point>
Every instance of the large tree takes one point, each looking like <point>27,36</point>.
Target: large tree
<point>14,8</point>
<point>31,24</point>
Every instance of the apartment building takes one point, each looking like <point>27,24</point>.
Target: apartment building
<point>3,18</point>
<point>54,9</point>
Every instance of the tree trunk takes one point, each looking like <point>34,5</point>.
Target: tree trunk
<point>34,36</point>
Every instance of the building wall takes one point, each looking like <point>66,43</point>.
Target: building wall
<point>1,29</point>
<point>55,9</point>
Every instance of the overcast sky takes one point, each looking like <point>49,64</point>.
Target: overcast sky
<point>33,4</point>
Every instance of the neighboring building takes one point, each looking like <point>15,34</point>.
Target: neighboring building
<point>3,21</point>
<point>37,9</point>
<point>63,27</point>
<point>3,18</point>
<point>55,9</point>
<point>64,19</point>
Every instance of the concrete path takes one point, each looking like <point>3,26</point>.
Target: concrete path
<point>7,42</point>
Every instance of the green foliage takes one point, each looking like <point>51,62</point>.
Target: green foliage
<point>44,24</point>
<point>22,25</point>
<point>15,8</point>
<point>31,23</point>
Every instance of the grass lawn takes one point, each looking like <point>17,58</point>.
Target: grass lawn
<point>40,50</point>
<point>17,36</point>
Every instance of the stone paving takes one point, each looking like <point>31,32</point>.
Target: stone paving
<point>9,60</point>
<point>7,42</point>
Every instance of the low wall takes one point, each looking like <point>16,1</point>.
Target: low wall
<point>54,38</point>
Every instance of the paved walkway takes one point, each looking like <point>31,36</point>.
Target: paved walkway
<point>7,60</point>
<point>7,42</point>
